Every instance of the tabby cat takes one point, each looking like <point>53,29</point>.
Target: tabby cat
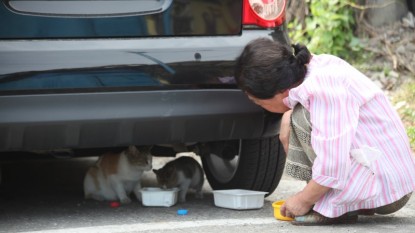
<point>116,175</point>
<point>184,173</point>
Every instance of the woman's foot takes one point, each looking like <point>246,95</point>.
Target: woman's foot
<point>315,219</point>
<point>393,207</point>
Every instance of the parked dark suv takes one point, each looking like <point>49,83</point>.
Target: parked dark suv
<point>89,76</point>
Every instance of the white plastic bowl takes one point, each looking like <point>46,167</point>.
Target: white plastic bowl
<point>159,197</point>
<point>239,199</point>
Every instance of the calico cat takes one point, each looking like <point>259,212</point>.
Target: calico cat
<point>184,172</point>
<point>116,175</point>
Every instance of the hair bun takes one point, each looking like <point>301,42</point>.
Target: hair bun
<point>301,53</point>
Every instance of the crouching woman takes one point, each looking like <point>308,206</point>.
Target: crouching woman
<point>341,134</point>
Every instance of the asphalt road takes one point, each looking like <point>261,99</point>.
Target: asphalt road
<point>46,196</point>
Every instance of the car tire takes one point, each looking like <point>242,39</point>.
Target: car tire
<point>258,165</point>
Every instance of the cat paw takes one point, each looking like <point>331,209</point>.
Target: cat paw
<point>138,196</point>
<point>94,197</point>
<point>125,200</point>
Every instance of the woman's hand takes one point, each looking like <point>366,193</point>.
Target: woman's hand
<point>285,130</point>
<point>295,206</point>
<point>302,202</point>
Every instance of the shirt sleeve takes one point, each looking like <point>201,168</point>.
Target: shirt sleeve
<point>334,114</point>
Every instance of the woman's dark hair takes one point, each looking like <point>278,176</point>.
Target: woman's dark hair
<point>267,67</point>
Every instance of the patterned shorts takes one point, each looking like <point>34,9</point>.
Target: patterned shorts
<point>300,155</point>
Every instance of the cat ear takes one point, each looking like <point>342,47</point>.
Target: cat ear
<point>132,148</point>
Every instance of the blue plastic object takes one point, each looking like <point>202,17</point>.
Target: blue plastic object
<point>182,212</point>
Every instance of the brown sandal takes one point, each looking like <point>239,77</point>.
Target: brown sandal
<point>366,212</point>
<point>315,219</point>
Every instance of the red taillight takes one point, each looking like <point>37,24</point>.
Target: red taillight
<point>264,13</point>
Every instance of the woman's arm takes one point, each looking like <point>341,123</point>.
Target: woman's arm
<point>285,129</point>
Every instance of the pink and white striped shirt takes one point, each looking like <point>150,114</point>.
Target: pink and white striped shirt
<point>349,112</point>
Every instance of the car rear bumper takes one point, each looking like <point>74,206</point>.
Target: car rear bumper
<point>88,120</point>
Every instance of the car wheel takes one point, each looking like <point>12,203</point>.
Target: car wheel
<point>255,164</point>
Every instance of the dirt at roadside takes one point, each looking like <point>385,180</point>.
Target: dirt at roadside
<point>393,47</point>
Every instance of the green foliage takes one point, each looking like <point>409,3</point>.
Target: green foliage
<point>405,99</point>
<point>409,113</point>
<point>411,135</point>
<point>328,28</point>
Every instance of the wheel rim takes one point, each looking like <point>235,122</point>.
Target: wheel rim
<point>222,169</point>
